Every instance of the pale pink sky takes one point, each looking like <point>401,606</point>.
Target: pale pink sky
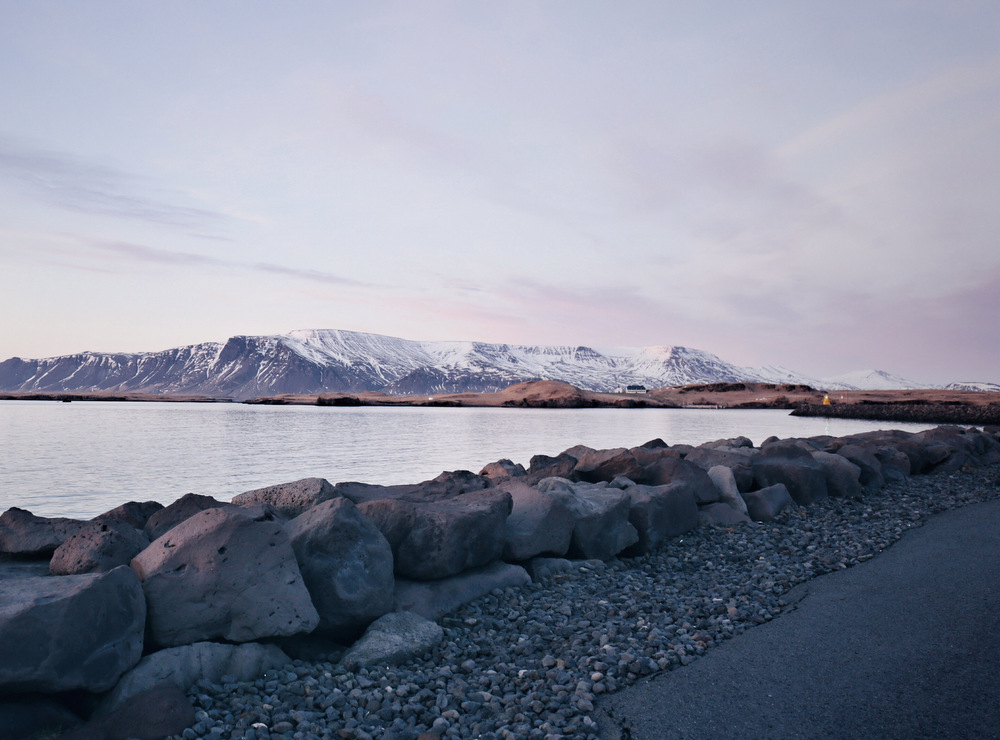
<point>805,184</point>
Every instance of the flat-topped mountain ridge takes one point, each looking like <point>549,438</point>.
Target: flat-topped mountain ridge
<point>332,361</point>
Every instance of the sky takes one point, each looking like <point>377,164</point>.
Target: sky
<point>811,185</point>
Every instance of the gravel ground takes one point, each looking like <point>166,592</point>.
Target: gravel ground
<point>529,662</point>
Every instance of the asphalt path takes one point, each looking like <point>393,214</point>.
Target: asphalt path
<point>905,645</point>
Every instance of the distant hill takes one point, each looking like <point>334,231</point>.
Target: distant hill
<point>870,380</point>
<point>982,387</point>
<point>323,361</point>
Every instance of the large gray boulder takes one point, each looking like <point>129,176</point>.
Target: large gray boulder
<point>722,515</point>
<point>433,599</point>
<point>162,521</point>
<point>184,666</point>
<point>392,639</point>
<point>70,632</point>
<point>601,527</point>
<point>438,538</point>
<point>659,513</point>
<point>545,466</point>
<point>289,499</point>
<point>134,513</point>
<point>223,574</point>
<point>740,463</point>
<point>895,463</point>
<point>449,484</point>
<point>650,452</point>
<point>843,478</point>
<point>965,446</point>
<point>346,564</point>
<point>791,465</point>
<point>537,525</point>
<point>501,469</point>
<point>950,448</point>
<point>669,470</point>
<point>729,492</point>
<point>594,466</point>
<point>871,469</point>
<point>97,547</point>
<point>24,535</point>
<point>765,504</point>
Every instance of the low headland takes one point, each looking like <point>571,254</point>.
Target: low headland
<point>502,604</point>
<point>932,406</point>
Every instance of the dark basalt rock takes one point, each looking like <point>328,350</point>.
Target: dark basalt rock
<point>98,547</point>
<point>24,535</point>
<point>789,464</point>
<point>180,510</point>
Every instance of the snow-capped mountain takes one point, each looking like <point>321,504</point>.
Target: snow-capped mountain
<point>870,380</point>
<point>980,387</point>
<point>320,361</point>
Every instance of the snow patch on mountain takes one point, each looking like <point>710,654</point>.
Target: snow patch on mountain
<point>871,380</point>
<point>973,386</point>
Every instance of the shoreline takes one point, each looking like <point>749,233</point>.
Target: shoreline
<point>941,413</point>
<point>931,406</point>
<point>532,657</point>
<point>538,658</point>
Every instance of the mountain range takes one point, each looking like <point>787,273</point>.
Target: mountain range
<point>324,361</point>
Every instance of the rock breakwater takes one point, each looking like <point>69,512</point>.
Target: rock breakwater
<point>531,657</point>
<point>908,411</point>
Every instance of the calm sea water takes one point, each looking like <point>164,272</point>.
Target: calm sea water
<point>80,459</point>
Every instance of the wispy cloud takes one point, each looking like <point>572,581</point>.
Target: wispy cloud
<point>65,181</point>
<point>139,253</point>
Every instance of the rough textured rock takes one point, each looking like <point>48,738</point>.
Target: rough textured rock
<point>544,466</point>
<point>720,514</point>
<point>733,443</point>
<point>895,463</point>
<point>789,464</point>
<point>601,528</point>
<point>595,466</point>
<point>537,525</point>
<point>658,513</point>
<point>98,547</point>
<point>951,448</point>
<point>843,478</point>
<point>289,499</point>
<point>668,470</point>
<point>393,639</point>
<point>649,453</point>
<point>440,538</point>
<point>186,665</point>
<point>346,564</point>
<point>70,632</point>
<point>764,505</point>
<point>871,469</point>
<point>156,713</point>
<point>433,599</point>
<point>133,513</point>
<point>447,485</point>
<point>740,464</point>
<point>729,492</point>
<point>180,510</point>
<point>24,535</point>
<point>502,469</point>
<point>223,574</point>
